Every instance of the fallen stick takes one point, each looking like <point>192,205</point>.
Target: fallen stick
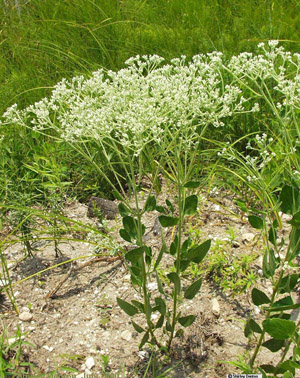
<point>74,268</point>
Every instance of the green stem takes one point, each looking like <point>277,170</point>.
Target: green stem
<point>143,265</point>
<point>180,224</point>
<point>260,341</point>
<point>288,344</point>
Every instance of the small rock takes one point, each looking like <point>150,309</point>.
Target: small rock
<point>106,335</point>
<point>106,208</point>
<point>143,354</point>
<point>126,335</point>
<point>25,316</point>
<point>14,339</point>
<point>248,237</point>
<point>49,349</point>
<point>25,309</point>
<point>152,286</point>
<point>216,207</point>
<point>235,244</point>
<point>215,306</point>
<point>81,375</point>
<point>260,261</point>
<point>90,362</point>
<point>127,277</point>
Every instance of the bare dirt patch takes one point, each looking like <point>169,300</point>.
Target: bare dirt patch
<point>80,320</point>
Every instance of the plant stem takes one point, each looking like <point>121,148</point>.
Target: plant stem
<point>260,341</point>
<point>143,265</point>
<point>180,224</point>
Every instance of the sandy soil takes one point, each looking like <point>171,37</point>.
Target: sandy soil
<point>81,321</point>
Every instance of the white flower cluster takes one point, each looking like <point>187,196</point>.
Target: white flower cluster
<point>263,148</point>
<point>147,102</point>
<point>150,102</point>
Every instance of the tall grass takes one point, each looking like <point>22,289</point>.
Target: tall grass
<point>42,41</point>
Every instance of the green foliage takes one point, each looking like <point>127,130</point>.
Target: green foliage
<point>142,267</point>
<point>278,332</point>
<point>13,360</point>
<point>230,271</point>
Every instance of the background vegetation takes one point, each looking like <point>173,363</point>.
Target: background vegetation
<point>43,41</point>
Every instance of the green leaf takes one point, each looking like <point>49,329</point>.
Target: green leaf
<point>286,301</point>
<point>287,365</point>
<point>183,264</point>
<point>279,329</point>
<point>139,305</point>
<point>117,195</point>
<point>193,289</point>
<point>168,326</point>
<point>150,204</point>
<point>167,221</point>
<point>251,327</point>
<point>247,329</point>
<point>130,226</point>
<point>160,322</point>
<point>124,235</point>
<point>259,298</point>
<point>288,374</point>
<point>268,368</point>
<point>289,198</point>
<point>173,246</point>
<point>256,222</point>
<point>137,327</point>
<point>170,206</point>
<point>123,210</point>
<point>273,345</point>
<point>65,368</point>
<point>270,263</point>
<point>136,275</point>
<point>173,277</point>
<point>160,255</point>
<point>127,307</point>
<point>192,184</point>
<point>295,221</point>
<point>185,246</point>
<point>160,209</point>
<point>294,243</point>
<point>179,333</point>
<point>186,321</point>
<point>242,206</point>
<point>135,255</point>
<point>190,205</point>
<point>197,254</point>
<point>159,284</point>
<point>148,256</point>
<point>161,305</point>
<point>273,233</point>
<point>254,326</point>
<point>144,340</point>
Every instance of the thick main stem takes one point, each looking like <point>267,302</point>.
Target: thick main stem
<point>180,224</point>
<point>143,265</point>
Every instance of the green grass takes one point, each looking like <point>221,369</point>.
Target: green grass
<point>47,40</point>
<point>43,41</point>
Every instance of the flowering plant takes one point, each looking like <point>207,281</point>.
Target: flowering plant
<point>153,118</point>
